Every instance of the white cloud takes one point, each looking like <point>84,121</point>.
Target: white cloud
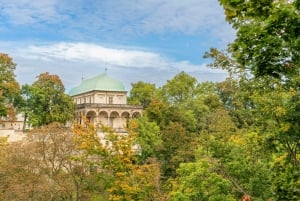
<point>72,61</point>
<point>128,17</point>
<point>106,21</point>
<point>85,52</point>
<point>188,16</point>
<point>30,12</point>
<point>93,53</point>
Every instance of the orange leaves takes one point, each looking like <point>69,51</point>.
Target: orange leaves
<point>46,80</point>
<point>140,182</point>
<point>4,58</point>
<point>9,87</point>
<point>118,161</point>
<point>85,137</point>
<point>11,113</point>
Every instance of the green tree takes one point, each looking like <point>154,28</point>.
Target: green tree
<point>285,179</point>
<point>268,43</point>
<point>9,87</point>
<point>23,104</point>
<point>156,111</point>
<point>148,138</point>
<point>236,155</point>
<point>264,108</point>
<point>178,147</point>
<point>141,93</point>
<point>179,89</point>
<point>199,181</point>
<point>47,101</point>
<point>267,39</point>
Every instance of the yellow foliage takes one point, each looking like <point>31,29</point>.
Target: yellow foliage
<point>85,136</point>
<point>236,139</point>
<point>3,141</point>
<point>285,127</point>
<point>280,111</point>
<point>281,159</point>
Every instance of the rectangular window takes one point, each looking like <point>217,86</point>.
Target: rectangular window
<point>110,100</point>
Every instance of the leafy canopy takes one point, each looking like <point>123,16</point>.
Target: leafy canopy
<point>9,87</point>
<point>47,101</point>
<point>268,40</point>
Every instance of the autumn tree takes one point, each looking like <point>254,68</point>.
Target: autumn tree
<point>94,174</point>
<point>9,87</point>
<point>43,166</point>
<point>115,159</point>
<point>132,181</point>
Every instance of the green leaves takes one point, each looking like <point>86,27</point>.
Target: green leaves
<point>267,35</point>
<point>148,138</point>
<point>141,93</point>
<point>46,101</point>
<point>286,179</point>
<point>179,89</point>
<point>199,181</point>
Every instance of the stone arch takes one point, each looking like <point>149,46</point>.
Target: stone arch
<point>125,116</point>
<point>136,114</point>
<point>80,117</point>
<point>114,119</point>
<point>91,116</point>
<point>103,118</point>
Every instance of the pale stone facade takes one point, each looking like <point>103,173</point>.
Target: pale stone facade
<point>103,101</point>
<point>13,129</point>
<point>16,124</point>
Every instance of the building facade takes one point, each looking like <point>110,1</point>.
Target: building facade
<point>12,129</point>
<point>102,100</point>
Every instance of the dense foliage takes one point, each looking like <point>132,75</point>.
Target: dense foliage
<point>212,143</point>
<point>9,87</point>
<point>195,141</point>
<point>268,40</point>
<point>45,101</point>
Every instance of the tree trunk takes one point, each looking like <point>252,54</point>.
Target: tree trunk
<point>24,122</point>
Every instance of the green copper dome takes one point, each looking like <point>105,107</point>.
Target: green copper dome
<point>101,82</point>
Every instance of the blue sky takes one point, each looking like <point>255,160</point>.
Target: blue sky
<point>136,40</point>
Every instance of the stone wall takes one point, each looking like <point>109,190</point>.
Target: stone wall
<point>12,135</point>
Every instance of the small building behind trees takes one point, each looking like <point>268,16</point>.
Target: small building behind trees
<point>103,101</point>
